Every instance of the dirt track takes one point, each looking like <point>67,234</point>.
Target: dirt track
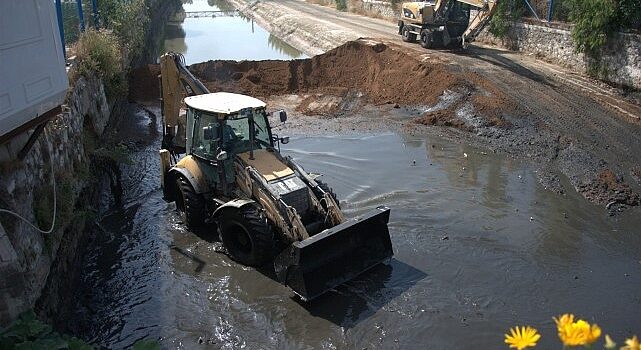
<point>507,102</point>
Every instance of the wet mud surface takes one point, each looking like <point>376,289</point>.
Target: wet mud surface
<point>479,246</point>
<point>569,135</point>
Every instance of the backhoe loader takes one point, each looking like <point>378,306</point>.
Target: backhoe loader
<point>444,23</point>
<point>265,206</point>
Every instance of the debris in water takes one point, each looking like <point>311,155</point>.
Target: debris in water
<point>464,154</point>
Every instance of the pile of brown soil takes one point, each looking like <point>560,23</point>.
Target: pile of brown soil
<point>381,73</point>
<point>443,117</point>
<point>608,188</point>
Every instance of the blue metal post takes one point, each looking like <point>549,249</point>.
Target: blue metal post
<point>550,10</point>
<point>94,5</point>
<point>61,27</point>
<point>81,16</point>
<point>532,9</point>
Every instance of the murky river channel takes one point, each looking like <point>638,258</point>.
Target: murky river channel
<point>479,247</point>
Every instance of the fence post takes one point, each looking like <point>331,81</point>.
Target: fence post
<point>532,10</point>
<point>550,10</point>
<point>94,6</point>
<point>61,27</point>
<point>81,15</point>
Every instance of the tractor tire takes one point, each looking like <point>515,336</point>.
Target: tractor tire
<point>407,36</point>
<point>247,235</point>
<point>427,39</point>
<point>329,190</point>
<point>190,205</point>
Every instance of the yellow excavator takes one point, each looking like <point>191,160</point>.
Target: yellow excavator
<point>265,206</point>
<point>444,23</point>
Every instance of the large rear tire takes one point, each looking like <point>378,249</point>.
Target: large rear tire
<point>247,235</point>
<point>190,205</point>
<point>407,36</point>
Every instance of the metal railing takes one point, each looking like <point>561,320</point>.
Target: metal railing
<point>74,16</point>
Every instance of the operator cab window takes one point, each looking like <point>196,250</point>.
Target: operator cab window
<point>204,143</point>
<point>236,137</point>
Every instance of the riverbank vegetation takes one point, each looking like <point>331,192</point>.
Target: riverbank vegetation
<point>593,22</point>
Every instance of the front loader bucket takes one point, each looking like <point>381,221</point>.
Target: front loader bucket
<point>313,266</point>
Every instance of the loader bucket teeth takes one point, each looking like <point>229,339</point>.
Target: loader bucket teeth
<point>336,255</point>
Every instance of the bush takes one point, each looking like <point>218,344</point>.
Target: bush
<point>99,54</point>
<point>507,13</point>
<point>341,5</point>
<point>594,21</point>
<point>629,14</point>
<point>128,20</point>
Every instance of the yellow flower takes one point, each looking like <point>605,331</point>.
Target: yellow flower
<point>576,333</point>
<point>609,343</point>
<point>593,334</point>
<point>563,320</point>
<point>522,338</point>
<point>632,344</point>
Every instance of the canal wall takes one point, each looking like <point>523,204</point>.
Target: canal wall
<point>26,188</point>
<point>619,62</point>
<point>38,269</point>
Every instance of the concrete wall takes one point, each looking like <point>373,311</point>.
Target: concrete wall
<point>621,58</point>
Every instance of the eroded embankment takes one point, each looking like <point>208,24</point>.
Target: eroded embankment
<point>381,73</point>
<point>367,72</point>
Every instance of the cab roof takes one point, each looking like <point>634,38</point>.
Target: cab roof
<point>223,102</point>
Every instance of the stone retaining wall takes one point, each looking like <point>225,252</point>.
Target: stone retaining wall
<point>27,255</point>
<point>620,62</point>
<point>380,8</point>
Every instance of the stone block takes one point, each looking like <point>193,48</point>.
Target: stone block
<point>7,253</point>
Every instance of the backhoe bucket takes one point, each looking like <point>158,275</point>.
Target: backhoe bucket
<point>317,264</point>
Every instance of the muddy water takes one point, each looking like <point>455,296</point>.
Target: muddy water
<point>227,36</point>
<point>479,246</point>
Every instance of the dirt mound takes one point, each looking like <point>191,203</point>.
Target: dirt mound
<point>380,73</point>
<point>611,189</point>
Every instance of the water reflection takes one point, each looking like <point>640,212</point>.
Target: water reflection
<point>229,36</point>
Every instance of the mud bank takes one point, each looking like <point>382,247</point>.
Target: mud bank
<point>425,91</point>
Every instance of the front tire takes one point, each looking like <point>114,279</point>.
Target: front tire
<point>190,205</point>
<point>247,235</point>
<point>407,36</point>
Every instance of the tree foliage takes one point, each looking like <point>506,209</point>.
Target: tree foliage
<point>507,13</point>
<point>128,20</point>
<point>593,23</point>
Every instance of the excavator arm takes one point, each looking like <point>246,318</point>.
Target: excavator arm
<point>176,83</point>
<point>487,8</point>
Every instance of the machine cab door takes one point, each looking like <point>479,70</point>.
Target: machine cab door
<point>205,141</point>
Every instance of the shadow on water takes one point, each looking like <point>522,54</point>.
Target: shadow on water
<point>360,298</point>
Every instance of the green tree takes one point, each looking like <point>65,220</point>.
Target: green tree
<point>507,13</point>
